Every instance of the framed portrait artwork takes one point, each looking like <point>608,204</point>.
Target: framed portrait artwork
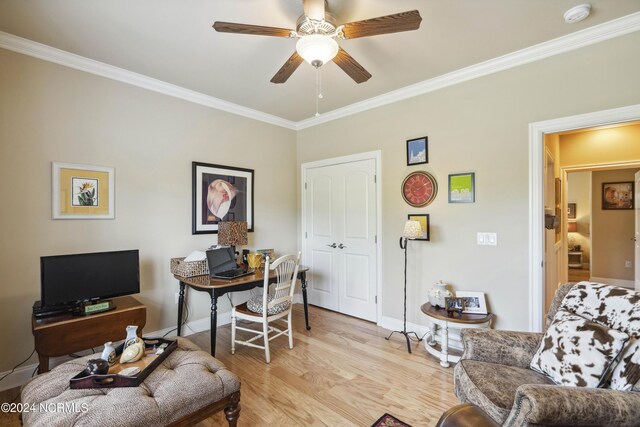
<point>474,302</point>
<point>462,187</point>
<point>82,191</point>
<point>423,219</point>
<point>617,195</point>
<point>220,193</point>
<point>417,151</point>
<point>571,211</point>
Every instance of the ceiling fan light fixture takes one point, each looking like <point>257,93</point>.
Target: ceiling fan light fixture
<point>317,49</point>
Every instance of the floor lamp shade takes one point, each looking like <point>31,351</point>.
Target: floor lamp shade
<point>412,230</point>
<point>232,233</point>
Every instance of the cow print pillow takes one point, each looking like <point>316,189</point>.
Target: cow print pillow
<point>577,352</point>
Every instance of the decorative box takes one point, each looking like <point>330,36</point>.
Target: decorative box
<point>189,269</point>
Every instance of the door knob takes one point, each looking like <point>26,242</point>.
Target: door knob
<point>333,245</point>
<point>341,246</point>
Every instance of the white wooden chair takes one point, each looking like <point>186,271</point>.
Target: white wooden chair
<point>274,304</point>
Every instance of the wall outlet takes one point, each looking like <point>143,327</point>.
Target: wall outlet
<point>487,239</point>
<point>177,297</point>
<point>628,264</point>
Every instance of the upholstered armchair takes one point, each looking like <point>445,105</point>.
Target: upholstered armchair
<point>494,371</point>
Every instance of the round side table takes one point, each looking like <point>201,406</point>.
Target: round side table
<point>440,319</point>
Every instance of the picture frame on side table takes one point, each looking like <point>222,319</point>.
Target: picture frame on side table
<point>474,302</point>
<point>82,191</point>
<point>417,151</point>
<point>454,305</point>
<point>423,219</point>
<point>617,195</point>
<point>462,187</point>
<point>220,193</point>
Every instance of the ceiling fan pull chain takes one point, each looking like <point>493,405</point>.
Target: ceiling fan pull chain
<point>319,95</point>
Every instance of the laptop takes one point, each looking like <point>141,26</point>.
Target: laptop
<point>222,264</point>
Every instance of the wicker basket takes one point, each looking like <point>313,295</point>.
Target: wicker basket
<point>189,269</point>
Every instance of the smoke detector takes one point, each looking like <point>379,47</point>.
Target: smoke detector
<point>577,13</point>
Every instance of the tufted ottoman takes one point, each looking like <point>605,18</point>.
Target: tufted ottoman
<point>189,386</point>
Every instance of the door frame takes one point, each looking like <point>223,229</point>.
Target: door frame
<point>369,155</point>
<point>537,130</point>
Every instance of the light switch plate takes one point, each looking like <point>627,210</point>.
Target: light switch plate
<point>487,239</point>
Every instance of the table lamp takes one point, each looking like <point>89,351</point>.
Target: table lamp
<point>232,233</point>
<point>412,230</point>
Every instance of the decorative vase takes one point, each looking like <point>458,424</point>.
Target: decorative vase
<point>133,353</point>
<point>438,293</point>
<point>109,353</point>
<point>132,337</point>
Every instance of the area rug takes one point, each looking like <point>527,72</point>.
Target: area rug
<point>389,421</point>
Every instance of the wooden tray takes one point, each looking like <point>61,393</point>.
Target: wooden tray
<point>147,364</point>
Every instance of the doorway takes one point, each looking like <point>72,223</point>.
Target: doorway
<point>537,133</point>
<point>340,234</point>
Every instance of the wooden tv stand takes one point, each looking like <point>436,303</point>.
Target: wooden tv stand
<point>64,334</point>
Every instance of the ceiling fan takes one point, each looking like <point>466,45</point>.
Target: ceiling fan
<point>316,31</point>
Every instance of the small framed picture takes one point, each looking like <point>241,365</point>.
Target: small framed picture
<point>462,187</point>
<point>417,151</point>
<point>455,305</point>
<point>474,302</point>
<point>423,219</point>
<point>571,211</point>
<point>617,195</point>
<point>82,191</point>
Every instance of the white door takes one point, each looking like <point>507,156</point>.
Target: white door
<point>340,237</point>
<point>636,203</point>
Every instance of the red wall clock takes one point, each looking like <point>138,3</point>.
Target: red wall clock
<point>419,189</point>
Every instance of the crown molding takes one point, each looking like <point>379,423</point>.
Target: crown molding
<point>605,31</point>
<point>71,60</point>
<point>588,36</point>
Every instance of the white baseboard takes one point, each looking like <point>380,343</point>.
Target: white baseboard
<point>396,325</point>
<point>614,282</point>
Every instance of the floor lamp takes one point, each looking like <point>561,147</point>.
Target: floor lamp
<point>412,230</point>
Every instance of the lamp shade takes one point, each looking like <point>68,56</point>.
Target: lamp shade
<point>232,233</point>
<point>412,230</point>
<point>317,48</point>
<point>572,227</point>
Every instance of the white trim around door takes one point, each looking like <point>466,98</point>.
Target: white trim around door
<point>537,131</point>
<point>377,157</point>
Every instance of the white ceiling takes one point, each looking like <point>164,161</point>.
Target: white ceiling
<point>172,40</point>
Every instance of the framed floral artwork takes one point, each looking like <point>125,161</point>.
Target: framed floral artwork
<point>82,191</point>
<point>220,193</point>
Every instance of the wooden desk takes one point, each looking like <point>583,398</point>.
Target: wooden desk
<point>65,333</point>
<point>440,319</point>
<point>218,287</point>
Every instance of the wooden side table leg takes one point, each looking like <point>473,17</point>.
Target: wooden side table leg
<point>444,358</point>
<point>44,364</point>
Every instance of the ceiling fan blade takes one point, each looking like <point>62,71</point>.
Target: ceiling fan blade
<point>287,69</point>
<point>314,9</point>
<point>351,67</point>
<point>256,30</point>
<point>398,22</point>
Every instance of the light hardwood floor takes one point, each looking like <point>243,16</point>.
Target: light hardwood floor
<point>341,373</point>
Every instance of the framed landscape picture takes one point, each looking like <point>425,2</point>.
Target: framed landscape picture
<point>220,193</point>
<point>462,187</point>
<point>82,191</point>
<point>617,195</point>
<point>423,219</point>
<point>417,151</point>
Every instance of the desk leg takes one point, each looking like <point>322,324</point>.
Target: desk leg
<point>180,307</point>
<point>214,322</point>
<point>444,359</point>
<point>303,282</point>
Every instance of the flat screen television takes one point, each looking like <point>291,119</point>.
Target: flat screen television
<point>79,278</point>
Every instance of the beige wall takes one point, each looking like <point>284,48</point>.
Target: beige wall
<point>579,192</point>
<point>612,230</point>
<point>52,113</point>
<point>479,126</point>
<point>613,145</point>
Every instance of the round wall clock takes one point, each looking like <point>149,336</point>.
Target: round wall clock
<point>419,189</point>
